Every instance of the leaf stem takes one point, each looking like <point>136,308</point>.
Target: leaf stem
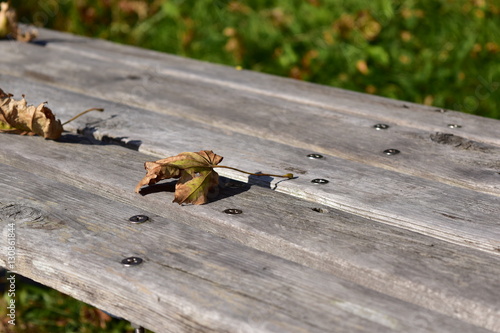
<point>288,175</point>
<point>82,113</point>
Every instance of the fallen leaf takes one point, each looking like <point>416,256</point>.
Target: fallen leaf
<point>28,119</point>
<point>195,172</point>
<point>4,22</point>
<point>17,117</point>
<point>197,179</point>
<point>9,25</point>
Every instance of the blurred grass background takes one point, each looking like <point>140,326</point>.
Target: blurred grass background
<point>437,52</point>
<point>40,309</point>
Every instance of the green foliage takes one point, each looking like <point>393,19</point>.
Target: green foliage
<point>438,52</point>
<point>44,310</point>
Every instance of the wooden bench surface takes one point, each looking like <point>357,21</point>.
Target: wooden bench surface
<point>401,243</point>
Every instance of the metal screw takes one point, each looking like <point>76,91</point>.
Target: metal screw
<point>319,181</point>
<point>440,110</point>
<point>315,156</point>
<point>138,219</point>
<point>391,152</point>
<point>379,127</point>
<point>233,211</point>
<point>132,261</point>
<point>454,126</point>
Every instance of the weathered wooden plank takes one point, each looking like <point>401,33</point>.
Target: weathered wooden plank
<point>334,127</point>
<point>190,280</point>
<point>462,216</point>
<point>402,113</point>
<point>443,277</point>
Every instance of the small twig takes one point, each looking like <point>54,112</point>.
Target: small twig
<point>82,113</point>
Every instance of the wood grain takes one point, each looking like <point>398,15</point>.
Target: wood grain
<point>416,234</point>
<point>403,113</point>
<point>334,127</point>
<point>452,213</point>
<point>450,279</point>
<point>190,280</point>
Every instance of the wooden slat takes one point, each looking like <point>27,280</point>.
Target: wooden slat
<point>446,278</point>
<point>451,213</point>
<point>74,240</point>
<point>327,98</point>
<point>335,126</point>
<point>190,280</point>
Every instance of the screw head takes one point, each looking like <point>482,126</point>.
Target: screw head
<point>315,156</point>
<point>379,127</point>
<point>136,219</point>
<point>233,211</point>
<point>440,110</point>
<point>132,261</point>
<point>319,181</point>
<point>454,126</point>
<point>391,152</point>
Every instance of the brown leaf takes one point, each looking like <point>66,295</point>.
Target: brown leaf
<point>157,171</point>
<point>197,179</point>
<point>28,119</point>
<point>9,25</point>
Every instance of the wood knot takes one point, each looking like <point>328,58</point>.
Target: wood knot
<point>458,142</point>
<point>19,213</point>
<point>32,217</point>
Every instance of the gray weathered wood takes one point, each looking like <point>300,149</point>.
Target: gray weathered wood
<point>443,186</point>
<point>453,213</point>
<point>190,280</point>
<point>341,132</point>
<point>450,279</point>
<point>152,63</point>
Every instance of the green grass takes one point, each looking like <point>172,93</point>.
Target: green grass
<point>43,310</point>
<point>437,52</point>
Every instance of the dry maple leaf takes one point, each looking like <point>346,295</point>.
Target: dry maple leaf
<point>197,178</point>
<point>9,25</point>
<point>28,119</point>
<point>194,170</point>
<point>17,117</point>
